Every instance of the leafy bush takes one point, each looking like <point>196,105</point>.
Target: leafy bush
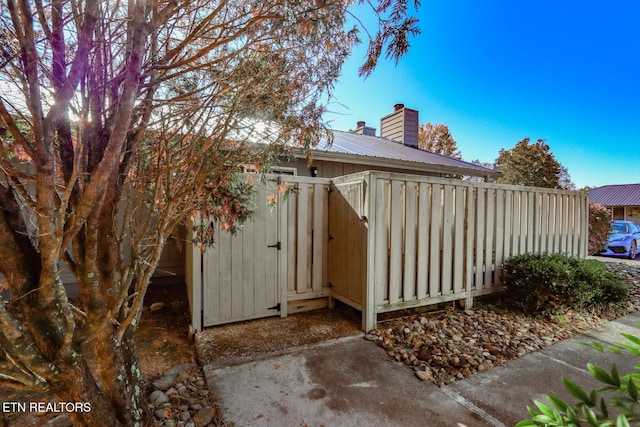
<point>599,227</point>
<point>544,283</point>
<point>620,393</point>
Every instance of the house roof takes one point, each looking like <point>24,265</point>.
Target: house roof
<point>365,149</point>
<point>616,195</point>
<point>356,148</point>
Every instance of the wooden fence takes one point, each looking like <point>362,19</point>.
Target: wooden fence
<point>403,241</point>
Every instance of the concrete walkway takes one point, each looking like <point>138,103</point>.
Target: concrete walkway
<point>352,382</point>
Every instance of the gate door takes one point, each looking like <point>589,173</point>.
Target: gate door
<point>240,274</point>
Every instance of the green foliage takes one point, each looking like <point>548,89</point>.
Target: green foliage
<point>395,28</point>
<point>615,403</point>
<point>547,283</point>
<point>531,165</point>
<point>599,227</point>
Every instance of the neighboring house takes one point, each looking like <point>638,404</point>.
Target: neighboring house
<point>622,199</point>
<point>395,150</point>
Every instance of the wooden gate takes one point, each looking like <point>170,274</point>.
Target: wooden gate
<point>276,264</point>
<point>240,278</point>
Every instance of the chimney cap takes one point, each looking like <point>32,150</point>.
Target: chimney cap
<point>361,123</point>
<point>397,107</point>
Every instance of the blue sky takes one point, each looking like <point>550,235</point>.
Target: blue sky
<point>496,72</point>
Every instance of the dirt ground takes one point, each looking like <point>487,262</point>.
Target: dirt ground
<point>163,334</point>
<point>232,343</point>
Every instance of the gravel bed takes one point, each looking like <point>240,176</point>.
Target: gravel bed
<point>448,345</point>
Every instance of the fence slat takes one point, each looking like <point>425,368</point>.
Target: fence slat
<point>447,240</point>
<point>571,244</point>
<point>235,276</point>
<point>283,254</point>
<point>500,236</point>
<point>459,243</point>
<point>381,242</point>
<point>565,224</point>
<point>397,220</point>
<point>246,270</point>
<point>489,238</point>
<point>317,208</point>
<point>516,240</point>
<point>435,241</point>
<point>303,240</point>
<point>545,220</point>
<point>480,233</point>
<point>471,214</point>
<point>508,222</point>
<point>410,232</point>
<point>424,220</point>
<point>529,224</point>
<point>211,282</point>
<point>292,244</point>
<point>263,268</point>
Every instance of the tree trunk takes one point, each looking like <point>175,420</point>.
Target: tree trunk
<point>76,384</point>
<point>121,376</point>
<point>118,368</point>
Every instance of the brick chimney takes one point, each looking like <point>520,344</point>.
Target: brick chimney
<point>401,126</point>
<point>363,129</point>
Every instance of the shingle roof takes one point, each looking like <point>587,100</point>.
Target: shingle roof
<point>380,148</point>
<point>616,195</point>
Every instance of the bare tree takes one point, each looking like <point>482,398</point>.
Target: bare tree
<point>131,116</point>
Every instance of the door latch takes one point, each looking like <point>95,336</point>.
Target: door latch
<point>278,246</point>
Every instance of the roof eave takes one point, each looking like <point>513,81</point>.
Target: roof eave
<point>361,159</point>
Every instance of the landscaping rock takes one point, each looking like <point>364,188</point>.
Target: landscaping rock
<point>424,375</point>
<point>452,344</point>
<point>157,398</point>
<point>204,416</point>
<point>157,306</point>
<point>180,398</point>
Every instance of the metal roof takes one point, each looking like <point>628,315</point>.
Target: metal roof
<point>349,147</point>
<point>616,195</point>
<point>384,149</point>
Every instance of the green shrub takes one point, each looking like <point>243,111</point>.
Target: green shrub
<point>619,394</point>
<point>544,283</point>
